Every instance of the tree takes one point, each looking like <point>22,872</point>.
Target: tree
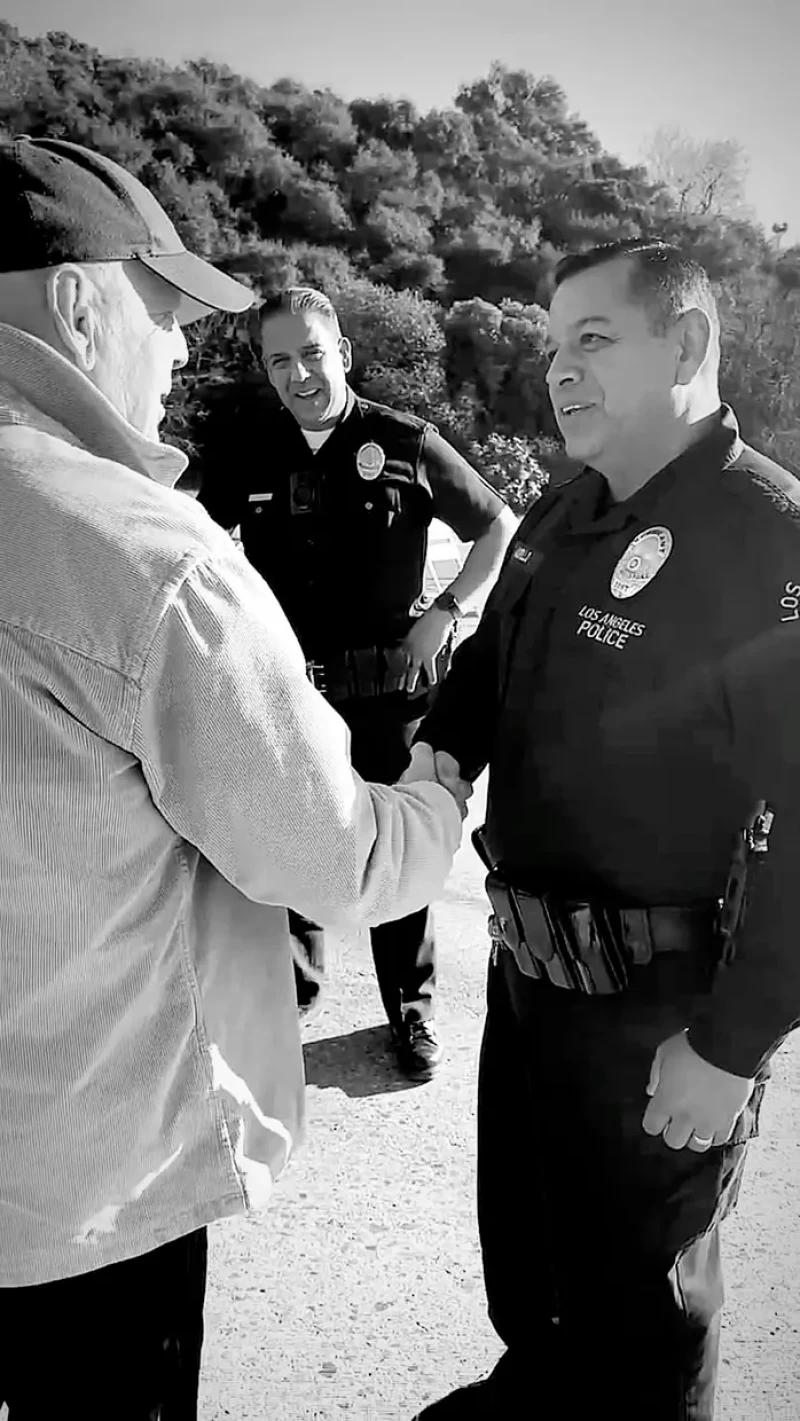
<point>761,361</point>
<point>390,327</point>
<point>514,107</point>
<point>703,177</point>
<point>514,465</point>
<point>314,126</point>
<point>436,234</point>
<point>498,353</point>
<point>389,121</point>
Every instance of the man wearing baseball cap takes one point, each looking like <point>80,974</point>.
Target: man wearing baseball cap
<point>169,776</point>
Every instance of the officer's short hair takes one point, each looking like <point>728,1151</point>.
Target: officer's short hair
<point>662,278</point>
<point>293,300</point>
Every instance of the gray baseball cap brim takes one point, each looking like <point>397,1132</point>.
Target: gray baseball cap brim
<point>203,288</point>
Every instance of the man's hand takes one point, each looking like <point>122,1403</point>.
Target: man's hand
<point>422,645</point>
<point>692,1102</point>
<point>440,768</point>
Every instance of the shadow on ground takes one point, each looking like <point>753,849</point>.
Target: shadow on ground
<point>360,1063</point>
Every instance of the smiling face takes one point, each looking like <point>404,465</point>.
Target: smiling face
<point>307,361</point>
<point>612,378</point>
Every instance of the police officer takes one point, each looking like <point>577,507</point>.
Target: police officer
<point>633,686</point>
<point>333,496</point>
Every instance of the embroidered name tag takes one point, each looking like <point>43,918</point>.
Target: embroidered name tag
<point>259,497</point>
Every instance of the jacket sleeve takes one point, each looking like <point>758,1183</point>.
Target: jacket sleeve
<point>251,765</point>
<point>463,716</point>
<point>755,1001</point>
<point>464,713</point>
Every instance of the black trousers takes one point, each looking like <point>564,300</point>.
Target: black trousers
<point>404,951</point>
<point>600,1244</point>
<point>122,1343</point>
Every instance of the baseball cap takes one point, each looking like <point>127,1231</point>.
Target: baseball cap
<point>61,202</point>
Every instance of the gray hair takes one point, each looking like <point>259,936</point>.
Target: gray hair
<point>293,301</point>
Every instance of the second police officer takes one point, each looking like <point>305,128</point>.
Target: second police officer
<point>333,496</point>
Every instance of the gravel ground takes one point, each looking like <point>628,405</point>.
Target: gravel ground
<point>358,1292</point>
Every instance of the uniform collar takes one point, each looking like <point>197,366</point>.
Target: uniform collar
<point>719,448</point>
<point>352,403</point>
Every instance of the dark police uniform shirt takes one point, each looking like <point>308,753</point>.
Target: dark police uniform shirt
<point>343,550</point>
<point>636,699</point>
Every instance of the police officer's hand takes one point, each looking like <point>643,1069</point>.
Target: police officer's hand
<point>692,1102</point>
<point>448,773</point>
<point>421,647</point>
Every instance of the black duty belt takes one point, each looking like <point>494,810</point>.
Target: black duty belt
<point>591,946</point>
<point>367,671</point>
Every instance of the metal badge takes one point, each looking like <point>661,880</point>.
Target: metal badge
<point>640,562</point>
<point>370,460</point>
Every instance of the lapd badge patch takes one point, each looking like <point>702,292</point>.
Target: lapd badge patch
<point>640,562</point>
<point>370,460</point>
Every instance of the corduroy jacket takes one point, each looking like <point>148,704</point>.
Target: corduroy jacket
<point>170,780</point>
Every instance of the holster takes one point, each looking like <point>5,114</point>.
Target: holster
<point>578,946</point>
<point>751,848</point>
<point>348,675</point>
<point>593,946</point>
<point>367,671</point>
<point>590,947</point>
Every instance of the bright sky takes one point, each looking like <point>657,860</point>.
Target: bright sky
<point>716,68</point>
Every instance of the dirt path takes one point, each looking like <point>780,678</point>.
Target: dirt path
<point>358,1293</point>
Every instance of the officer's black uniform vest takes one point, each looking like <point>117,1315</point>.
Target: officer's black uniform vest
<point>343,553</point>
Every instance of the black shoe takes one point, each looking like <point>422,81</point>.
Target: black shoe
<point>309,991</point>
<point>310,1009</point>
<point>418,1048</point>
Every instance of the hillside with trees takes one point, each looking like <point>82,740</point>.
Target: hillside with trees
<point>435,233</point>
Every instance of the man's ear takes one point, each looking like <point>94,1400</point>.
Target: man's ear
<point>73,312</point>
<point>694,343</point>
<point>346,352</point>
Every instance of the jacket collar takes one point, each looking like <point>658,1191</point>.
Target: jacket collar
<point>41,389</point>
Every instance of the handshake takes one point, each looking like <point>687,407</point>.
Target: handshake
<point>427,764</point>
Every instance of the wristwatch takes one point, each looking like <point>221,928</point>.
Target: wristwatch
<point>446,602</point>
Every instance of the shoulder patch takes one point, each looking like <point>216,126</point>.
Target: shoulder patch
<point>776,484</point>
<point>785,500</point>
<point>410,421</point>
